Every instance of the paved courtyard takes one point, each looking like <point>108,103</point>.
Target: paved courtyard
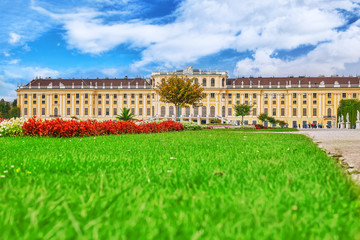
<point>344,142</point>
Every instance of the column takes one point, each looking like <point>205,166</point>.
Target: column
<point>30,106</point>
<point>81,104</point>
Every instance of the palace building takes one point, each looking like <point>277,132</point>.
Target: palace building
<point>295,100</point>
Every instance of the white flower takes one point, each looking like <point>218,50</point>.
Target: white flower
<point>2,176</point>
<point>12,166</point>
<point>5,171</point>
<point>172,158</point>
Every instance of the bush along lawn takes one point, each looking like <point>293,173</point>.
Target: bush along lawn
<point>177,185</point>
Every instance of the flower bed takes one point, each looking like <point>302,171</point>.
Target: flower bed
<point>11,127</point>
<point>74,128</point>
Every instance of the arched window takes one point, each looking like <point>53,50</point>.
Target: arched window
<point>223,111</point>
<point>171,111</point>
<point>187,111</point>
<point>329,112</point>
<point>203,110</point>
<point>204,82</point>
<point>56,112</point>
<point>212,111</point>
<point>196,111</point>
<point>223,82</point>
<point>229,111</point>
<point>213,82</point>
<point>162,111</point>
<point>196,80</point>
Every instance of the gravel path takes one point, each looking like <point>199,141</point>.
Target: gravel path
<point>344,143</point>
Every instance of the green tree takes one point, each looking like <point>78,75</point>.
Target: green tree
<point>242,110</point>
<point>126,115</point>
<point>14,112</point>
<point>180,91</point>
<point>263,117</point>
<point>350,106</point>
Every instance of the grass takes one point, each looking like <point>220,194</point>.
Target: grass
<point>182,185</point>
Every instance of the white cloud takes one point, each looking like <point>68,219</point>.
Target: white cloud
<point>14,38</point>
<point>112,72</point>
<point>29,73</point>
<point>204,27</point>
<point>6,54</point>
<point>14,61</point>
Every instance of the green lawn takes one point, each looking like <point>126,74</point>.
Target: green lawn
<point>182,185</point>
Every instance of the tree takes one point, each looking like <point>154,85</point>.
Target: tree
<point>242,110</point>
<point>126,115</point>
<point>263,117</point>
<point>180,91</point>
<point>350,106</point>
<point>14,112</point>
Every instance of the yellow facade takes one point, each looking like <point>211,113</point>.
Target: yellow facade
<point>288,99</point>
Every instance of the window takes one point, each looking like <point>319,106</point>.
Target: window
<point>314,95</point>
<point>43,96</point>
<point>282,112</point>
<point>68,95</point>
<point>354,95</point>
<point>34,111</point>
<point>107,102</point>
<point>133,110</point>
<point>132,95</point>
<point>25,111</point>
<point>294,112</point>
<point>107,96</point>
<point>132,102</point>
<point>99,102</point>
<point>86,111</point>
<point>68,111</point>
<point>34,102</point>
<point>148,96</point>
<point>314,102</point>
<point>304,112</point>
<point>204,82</point>
<point>55,102</point>
<point>25,102</point>
<point>115,111</point>
<point>196,80</point>
<point>229,95</point>
<point>213,82</point>
<point>99,96</point>
<point>212,111</point>
<point>223,95</point>
<point>115,95</point>
<point>282,95</point>
<point>77,110</point>
<point>282,102</point>
<point>86,95</point>
<point>99,111</point>
<point>329,112</point>
<point>212,95</point>
<point>43,111</point>
<point>328,102</point>
<point>294,102</point>
<point>68,102</point>
<point>273,102</point>
<point>107,112</point>
<point>229,111</point>
<point>304,102</point>
<point>148,111</point>
<point>265,95</point>
<point>56,112</point>
<point>77,102</point>
<point>254,102</point>
<point>304,95</point>
<point>125,95</point>
<point>294,95</point>
<point>43,102</point>
<point>125,102</point>
<point>77,95</point>
<point>344,95</point>
<point>55,96</point>
<point>140,111</point>
<point>329,95</point>
<point>148,102</point>
<point>265,102</point>
<point>253,122</point>
<point>229,102</point>
<point>115,102</point>
<point>265,110</point>
<point>247,95</point>
<point>34,95</point>
<point>254,95</point>
<point>274,95</point>
<point>223,82</point>
<point>140,102</point>
<point>274,112</point>
<point>237,102</point>
<point>162,111</point>
<point>25,96</point>
<point>314,112</point>
<point>246,102</point>
<point>153,95</point>
<point>254,112</point>
<point>140,95</point>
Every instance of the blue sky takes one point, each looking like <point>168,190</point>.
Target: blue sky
<point>114,38</point>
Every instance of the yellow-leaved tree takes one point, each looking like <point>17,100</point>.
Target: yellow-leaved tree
<point>180,91</point>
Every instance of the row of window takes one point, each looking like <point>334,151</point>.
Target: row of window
<point>87,102</point>
<point>86,95</point>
